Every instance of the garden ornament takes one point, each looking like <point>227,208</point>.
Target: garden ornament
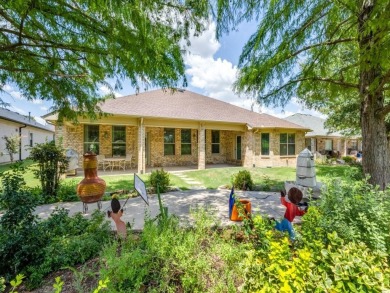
<point>116,215</point>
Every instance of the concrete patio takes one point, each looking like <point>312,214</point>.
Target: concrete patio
<point>180,203</point>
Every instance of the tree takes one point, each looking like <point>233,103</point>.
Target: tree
<point>331,54</point>
<point>51,163</point>
<point>64,50</point>
<point>11,145</point>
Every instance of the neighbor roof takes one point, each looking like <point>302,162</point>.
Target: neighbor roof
<point>314,123</point>
<point>184,104</point>
<point>16,117</point>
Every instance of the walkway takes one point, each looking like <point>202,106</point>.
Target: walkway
<point>180,203</point>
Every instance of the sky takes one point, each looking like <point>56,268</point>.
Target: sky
<point>211,69</point>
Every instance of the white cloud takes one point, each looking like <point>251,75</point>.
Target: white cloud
<point>44,108</point>
<point>105,90</point>
<point>7,88</point>
<point>18,110</point>
<point>205,45</point>
<point>37,102</point>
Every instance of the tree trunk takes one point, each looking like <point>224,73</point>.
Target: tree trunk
<point>375,144</point>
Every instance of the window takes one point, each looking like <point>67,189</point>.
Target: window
<point>354,145</point>
<point>91,138</point>
<point>31,139</point>
<point>119,141</point>
<point>215,141</point>
<point>186,141</point>
<point>287,144</point>
<point>169,141</point>
<point>265,144</point>
<point>328,144</point>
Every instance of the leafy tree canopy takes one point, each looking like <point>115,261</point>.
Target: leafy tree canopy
<point>64,50</point>
<point>333,55</point>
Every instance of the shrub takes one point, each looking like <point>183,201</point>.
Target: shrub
<point>243,180</point>
<point>347,159</point>
<point>51,162</point>
<point>11,145</point>
<point>20,239</point>
<point>337,267</point>
<point>170,258</point>
<point>355,210</point>
<point>67,191</point>
<point>160,178</point>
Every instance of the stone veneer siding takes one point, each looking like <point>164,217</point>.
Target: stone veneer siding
<point>274,159</point>
<point>73,137</point>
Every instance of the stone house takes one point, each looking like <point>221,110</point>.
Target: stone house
<point>163,128</point>
<point>26,129</point>
<point>322,140</point>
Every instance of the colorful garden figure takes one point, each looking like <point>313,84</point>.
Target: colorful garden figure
<point>294,196</point>
<point>116,215</point>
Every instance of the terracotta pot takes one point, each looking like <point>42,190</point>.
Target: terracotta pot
<point>91,188</point>
<point>235,213</point>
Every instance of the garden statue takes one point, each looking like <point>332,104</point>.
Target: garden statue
<point>116,215</point>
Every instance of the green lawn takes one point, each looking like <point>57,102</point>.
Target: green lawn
<point>28,175</point>
<point>210,178</point>
<point>213,178</point>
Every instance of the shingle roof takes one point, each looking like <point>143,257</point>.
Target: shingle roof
<point>16,117</point>
<point>316,124</point>
<point>184,104</point>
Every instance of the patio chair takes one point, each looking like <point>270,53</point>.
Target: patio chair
<point>128,160</point>
<point>100,159</point>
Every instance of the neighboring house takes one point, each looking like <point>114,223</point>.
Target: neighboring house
<point>160,128</point>
<point>30,132</point>
<point>321,140</point>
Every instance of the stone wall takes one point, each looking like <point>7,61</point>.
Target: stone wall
<point>274,159</point>
<point>73,137</point>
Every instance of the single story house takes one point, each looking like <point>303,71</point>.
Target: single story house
<point>322,140</point>
<point>27,129</point>
<point>163,128</point>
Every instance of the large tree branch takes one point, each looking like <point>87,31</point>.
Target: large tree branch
<point>320,79</point>
<point>385,110</point>
<point>384,81</point>
<point>326,43</point>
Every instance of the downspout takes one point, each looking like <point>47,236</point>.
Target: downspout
<point>20,141</point>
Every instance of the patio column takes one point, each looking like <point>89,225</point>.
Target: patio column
<point>248,147</point>
<point>201,147</point>
<point>141,146</point>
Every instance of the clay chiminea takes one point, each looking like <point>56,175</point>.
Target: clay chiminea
<point>91,188</point>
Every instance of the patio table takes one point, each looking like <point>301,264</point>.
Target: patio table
<point>114,163</point>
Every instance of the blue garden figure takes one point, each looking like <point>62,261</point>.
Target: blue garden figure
<point>294,208</point>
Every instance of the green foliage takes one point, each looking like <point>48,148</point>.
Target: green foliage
<point>51,163</point>
<point>2,284</point>
<point>348,159</point>
<point>11,145</point>
<point>243,180</point>
<point>337,267</point>
<point>170,258</point>
<point>19,242</point>
<point>67,191</point>
<point>57,286</point>
<point>332,56</point>
<point>355,210</point>
<point>35,248</point>
<point>67,66</point>
<point>73,240</point>
<point>160,178</point>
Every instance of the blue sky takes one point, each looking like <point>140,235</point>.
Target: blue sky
<point>211,68</point>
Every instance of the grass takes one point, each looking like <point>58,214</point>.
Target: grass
<point>210,178</point>
<point>213,178</point>
<point>28,175</point>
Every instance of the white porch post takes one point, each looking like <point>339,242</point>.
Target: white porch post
<point>141,146</point>
<point>201,147</point>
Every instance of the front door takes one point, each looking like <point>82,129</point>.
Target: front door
<point>238,147</point>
